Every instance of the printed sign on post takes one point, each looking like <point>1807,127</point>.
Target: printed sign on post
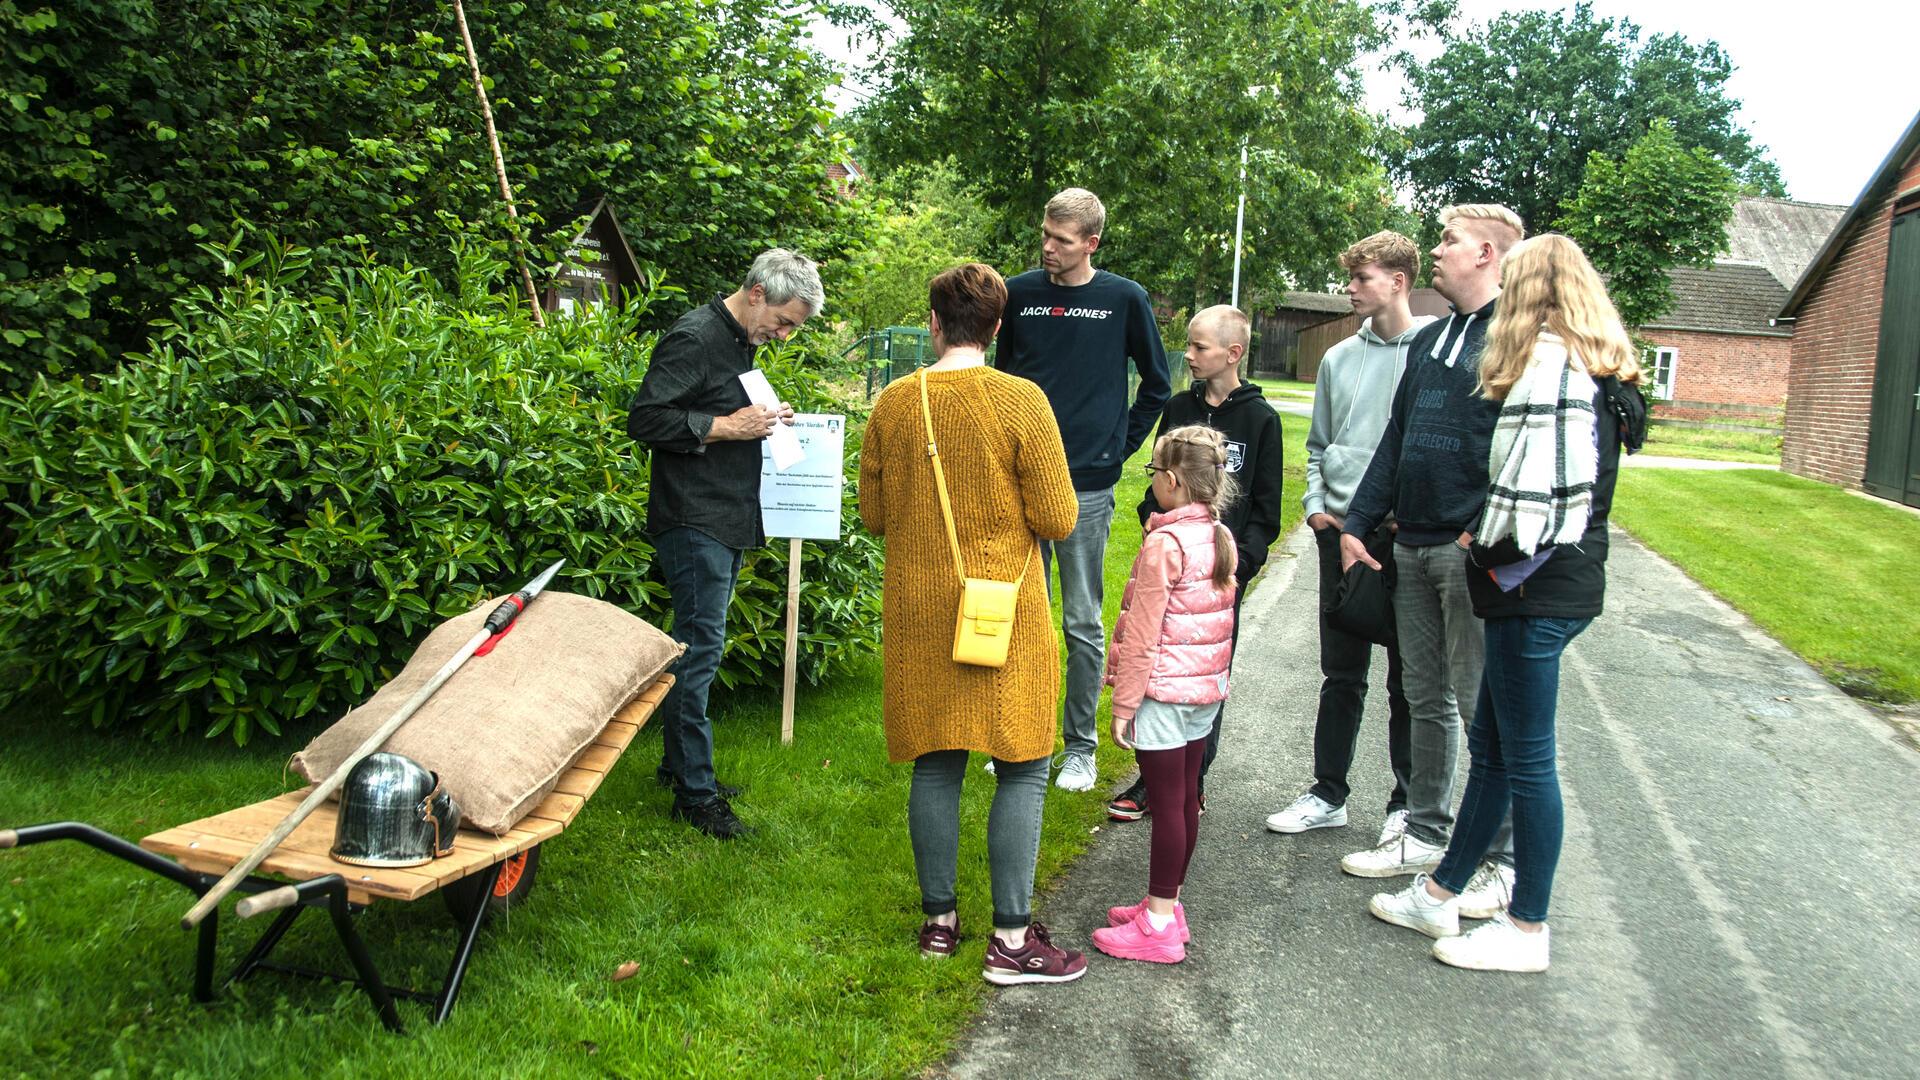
<point>802,500</point>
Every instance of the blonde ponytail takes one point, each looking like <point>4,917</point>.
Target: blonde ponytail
<point>1197,454</point>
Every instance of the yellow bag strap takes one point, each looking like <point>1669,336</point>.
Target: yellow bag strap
<point>940,482</point>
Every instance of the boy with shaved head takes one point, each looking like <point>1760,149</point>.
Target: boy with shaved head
<point>1217,340</point>
<point>1430,473</point>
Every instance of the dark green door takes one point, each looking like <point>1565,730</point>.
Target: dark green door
<point>1893,434</point>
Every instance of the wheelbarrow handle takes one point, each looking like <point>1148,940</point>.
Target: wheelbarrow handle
<point>271,900</point>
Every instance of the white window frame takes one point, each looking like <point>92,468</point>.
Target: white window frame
<point>1666,360</point>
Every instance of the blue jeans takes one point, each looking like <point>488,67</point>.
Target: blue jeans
<point>700,573</point>
<point>1512,747</point>
<point>1083,569</point>
<point>1013,832</point>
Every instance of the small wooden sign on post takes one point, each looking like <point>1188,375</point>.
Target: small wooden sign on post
<point>802,502</point>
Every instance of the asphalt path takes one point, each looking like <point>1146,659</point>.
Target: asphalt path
<point>1736,897</point>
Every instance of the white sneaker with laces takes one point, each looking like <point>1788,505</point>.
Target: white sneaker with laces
<point>1395,826</point>
<point>1497,946</point>
<point>1309,811</point>
<point>1488,891</point>
<point>1414,909</point>
<point>1078,774</point>
<point>1404,854</point>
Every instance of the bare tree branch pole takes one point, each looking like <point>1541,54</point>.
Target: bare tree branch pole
<point>499,165</point>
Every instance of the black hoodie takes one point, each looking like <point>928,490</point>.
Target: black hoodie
<point>1252,429</point>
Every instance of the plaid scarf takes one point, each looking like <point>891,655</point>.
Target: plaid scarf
<point>1544,459</point>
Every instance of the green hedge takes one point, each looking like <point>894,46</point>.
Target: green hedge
<point>259,520</point>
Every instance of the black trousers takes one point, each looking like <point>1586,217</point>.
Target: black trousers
<point>1213,737</point>
<point>1344,660</point>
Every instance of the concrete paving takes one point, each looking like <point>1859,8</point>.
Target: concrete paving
<point>1736,896</point>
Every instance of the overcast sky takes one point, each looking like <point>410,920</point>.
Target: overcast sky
<point>1827,87</point>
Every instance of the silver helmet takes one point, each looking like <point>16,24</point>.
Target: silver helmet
<point>393,812</point>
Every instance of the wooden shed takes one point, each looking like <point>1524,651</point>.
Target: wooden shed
<point>1853,386</point>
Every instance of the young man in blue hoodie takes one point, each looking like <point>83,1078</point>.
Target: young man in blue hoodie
<point>1074,330</point>
<point>1430,473</point>
<point>1353,395</point>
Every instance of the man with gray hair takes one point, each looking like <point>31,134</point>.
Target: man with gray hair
<point>703,508</point>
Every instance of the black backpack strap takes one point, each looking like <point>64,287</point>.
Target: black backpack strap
<point>1629,408</point>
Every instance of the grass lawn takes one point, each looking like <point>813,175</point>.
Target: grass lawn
<point>790,954</point>
<point>1759,447</point>
<point>1284,388</point>
<point>1827,573</point>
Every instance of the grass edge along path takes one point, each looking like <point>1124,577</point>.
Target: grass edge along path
<point>1825,572</point>
<point>789,954</point>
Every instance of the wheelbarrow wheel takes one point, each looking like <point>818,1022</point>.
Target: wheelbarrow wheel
<point>511,888</point>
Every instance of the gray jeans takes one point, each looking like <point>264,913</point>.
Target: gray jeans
<point>1013,832</point>
<point>1083,568</point>
<point>1442,649</point>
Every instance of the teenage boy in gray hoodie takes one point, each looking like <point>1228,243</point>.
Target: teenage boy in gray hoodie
<point>1353,395</point>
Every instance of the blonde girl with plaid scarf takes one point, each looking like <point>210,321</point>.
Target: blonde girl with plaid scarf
<point>1561,365</point>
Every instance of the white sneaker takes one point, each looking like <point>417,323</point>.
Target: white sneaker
<point>1412,908</point>
<point>1404,854</point>
<point>1395,826</point>
<point>1496,946</point>
<point>1078,774</point>
<point>1309,811</point>
<point>1488,891</point>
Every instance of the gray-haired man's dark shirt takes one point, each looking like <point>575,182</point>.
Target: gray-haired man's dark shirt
<point>694,376</point>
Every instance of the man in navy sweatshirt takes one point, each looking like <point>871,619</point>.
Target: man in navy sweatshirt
<point>1073,330</point>
<point>1430,472</point>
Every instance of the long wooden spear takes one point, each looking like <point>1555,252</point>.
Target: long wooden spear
<point>499,164</point>
<point>497,624</point>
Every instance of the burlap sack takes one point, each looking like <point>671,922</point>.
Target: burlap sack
<point>503,729</point>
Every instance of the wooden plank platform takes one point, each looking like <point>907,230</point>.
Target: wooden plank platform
<point>214,844</point>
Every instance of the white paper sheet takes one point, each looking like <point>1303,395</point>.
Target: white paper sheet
<point>782,443</point>
<point>804,501</point>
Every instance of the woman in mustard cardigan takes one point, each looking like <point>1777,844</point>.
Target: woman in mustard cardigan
<point>1009,487</point>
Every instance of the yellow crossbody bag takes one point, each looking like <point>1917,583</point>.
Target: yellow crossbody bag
<point>984,628</point>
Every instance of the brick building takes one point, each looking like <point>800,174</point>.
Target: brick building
<point>1853,390</point>
<point>1718,354</point>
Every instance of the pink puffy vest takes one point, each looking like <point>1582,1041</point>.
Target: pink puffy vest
<point>1190,668</point>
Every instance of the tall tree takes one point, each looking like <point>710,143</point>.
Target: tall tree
<point>1148,105</point>
<point>1511,111</point>
<point>1660,206</point>
<point>136,129</point>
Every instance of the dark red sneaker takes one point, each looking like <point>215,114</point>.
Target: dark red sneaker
<point>1131,804</point>
<point>1039,961</point>
<point>938,942</point>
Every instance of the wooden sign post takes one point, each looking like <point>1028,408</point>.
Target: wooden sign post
<point>802,502</point>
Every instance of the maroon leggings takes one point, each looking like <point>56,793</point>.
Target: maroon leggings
<point>1173,790</point>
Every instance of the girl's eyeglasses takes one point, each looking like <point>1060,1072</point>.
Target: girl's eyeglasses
<point>1151,469</point>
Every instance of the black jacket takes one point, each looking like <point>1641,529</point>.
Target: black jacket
<point>1430,469</point>
<point>693,378</point>
<point>1572,583</point>
<point>1252,429</point>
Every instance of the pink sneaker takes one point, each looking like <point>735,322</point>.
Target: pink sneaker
<point>1121,916</point>
<point>1137,940</point>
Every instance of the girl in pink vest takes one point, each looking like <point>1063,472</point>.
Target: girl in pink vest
<point>1168,670</point>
